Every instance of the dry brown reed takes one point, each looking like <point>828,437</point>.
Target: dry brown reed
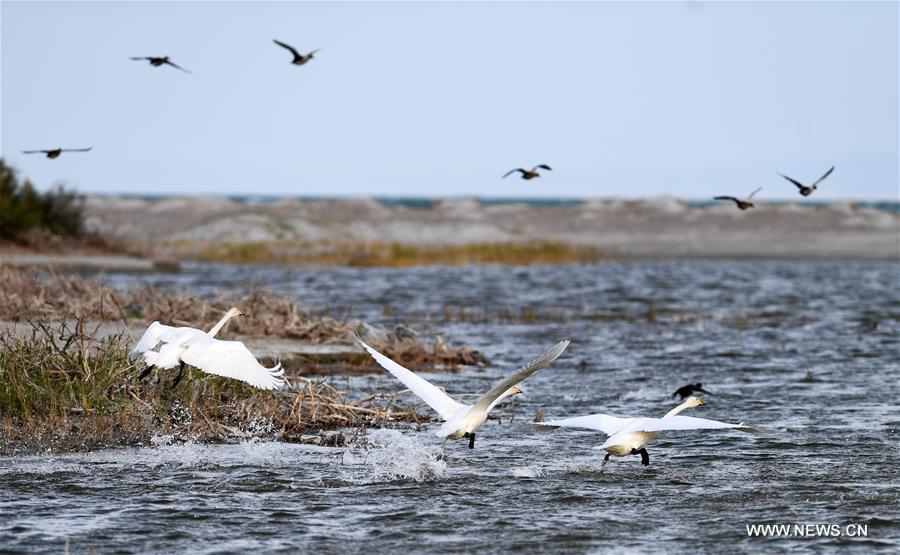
<point>26,295</point>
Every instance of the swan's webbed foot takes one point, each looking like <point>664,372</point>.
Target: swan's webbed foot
<point>645,456</point>
<point>178,377</point>
<point>471,440</point>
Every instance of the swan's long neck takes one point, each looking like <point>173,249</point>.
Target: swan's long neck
<point>218,327</point>
<point>505,394</point>
<point>685,405</point>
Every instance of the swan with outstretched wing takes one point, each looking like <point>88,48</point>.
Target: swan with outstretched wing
<point>185,345</point>
<point>461,421</point>
<point>629,436</point>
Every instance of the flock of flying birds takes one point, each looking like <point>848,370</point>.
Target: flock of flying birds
<point>300,59</point>
<point>166,347</point>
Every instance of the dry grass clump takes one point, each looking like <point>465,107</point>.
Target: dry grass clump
<point>386,254</point>
<point>63,389</point>
<point>24,296</point>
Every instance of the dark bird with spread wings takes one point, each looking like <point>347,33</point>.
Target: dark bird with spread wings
<point>158,61</point>
<point>742,204</point>
<point>804,190</point>
<point>686,391</point>
<point>55,152</point>
<point>299,59</point>
<point>528,174</point>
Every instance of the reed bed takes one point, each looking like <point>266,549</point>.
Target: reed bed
<point>62,388</point>
<point>25,295</point>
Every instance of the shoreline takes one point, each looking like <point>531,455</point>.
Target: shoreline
<point>73,262</point>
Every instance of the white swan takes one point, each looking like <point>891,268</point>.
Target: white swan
<point>183,345</point>
<point>628,436</point>
<point>462,420</point>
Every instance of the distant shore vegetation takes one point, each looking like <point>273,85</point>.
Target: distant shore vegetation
<point>25,212</point>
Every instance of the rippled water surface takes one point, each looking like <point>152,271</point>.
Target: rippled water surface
<point>808,350</point>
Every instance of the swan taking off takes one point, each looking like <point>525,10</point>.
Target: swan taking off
<point>462,420</point>
<point>628,436</point>
<point>183,345</point>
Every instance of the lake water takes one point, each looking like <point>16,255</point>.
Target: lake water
<point>808,350</point>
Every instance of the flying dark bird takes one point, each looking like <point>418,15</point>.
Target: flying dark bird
<point>529,174</point>
<point>299,59</point>
<point>804,190</point>
<point>689,389</point>
<point>156,62</point>
<point>742,204</point>
<point>54,153</point>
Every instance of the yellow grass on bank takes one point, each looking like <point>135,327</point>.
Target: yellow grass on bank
<point>385,254</point>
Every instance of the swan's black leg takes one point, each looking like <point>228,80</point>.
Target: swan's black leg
<point>472,440</point>
<point>178,377</point>
<point>645,456</point>
<point>605,460</point>
<point>144,373</point>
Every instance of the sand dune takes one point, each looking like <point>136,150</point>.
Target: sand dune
<point>653,227</point>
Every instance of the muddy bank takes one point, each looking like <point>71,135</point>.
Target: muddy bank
<point>89,262</point>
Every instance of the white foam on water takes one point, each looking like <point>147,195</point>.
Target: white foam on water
<point>69,523</point>
<point>253,452</point>
<point>527,471</point>
<point>387,455</point>
<point>642,394</point>
<point>160,441</point>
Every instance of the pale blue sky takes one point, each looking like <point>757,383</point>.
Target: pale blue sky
<point>434,99</point>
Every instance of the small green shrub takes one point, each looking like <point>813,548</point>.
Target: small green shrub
<point>23,208</point>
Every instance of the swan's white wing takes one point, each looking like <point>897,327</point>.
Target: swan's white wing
<point>540,362</point>
<point>149,340</point>
<point>600,422</point>
<point>179,335</point>
<point>231,359</point>
<point>688,423</point>
<point>174,341</point>
<point>431,394</point>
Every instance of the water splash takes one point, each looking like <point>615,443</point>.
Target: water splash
<point>162,441</point>
<point>387,455</point>
<point>527,471</point>
<point>642,394</point>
